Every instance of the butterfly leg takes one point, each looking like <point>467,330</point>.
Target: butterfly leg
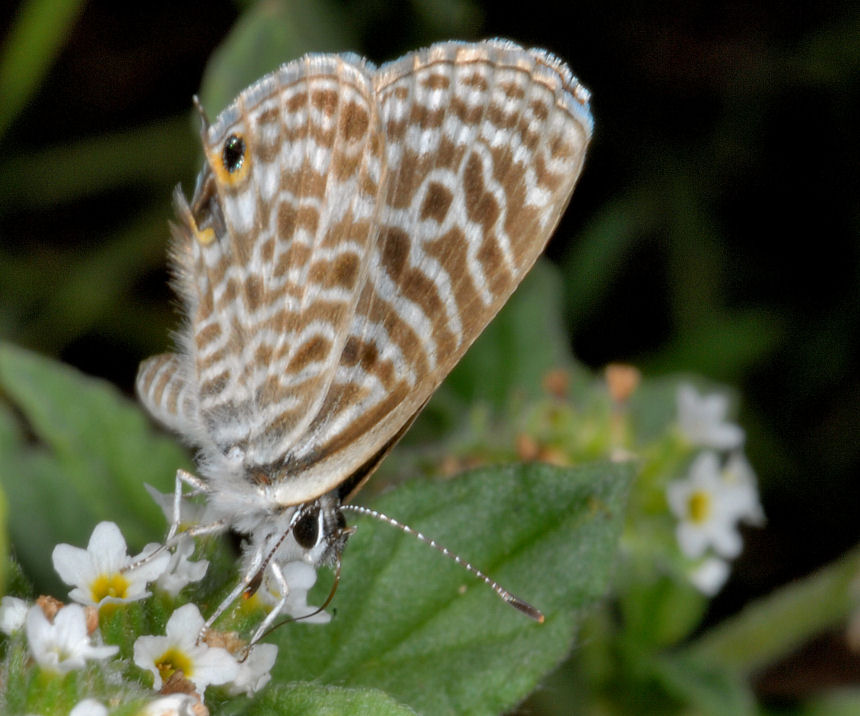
<point>284,590</point>
<point>198,486</point>
<point>182,477</point>
<point>249,576</point>
<point>173,534</point>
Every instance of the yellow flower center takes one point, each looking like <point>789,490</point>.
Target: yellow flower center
<point>699,507</point>
<point>174,660</point>
<point>109,585</point>
<point>61,653</point>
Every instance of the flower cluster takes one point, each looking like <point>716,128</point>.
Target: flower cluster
<point>183,662</point>
<point>717,494</point>
<point>693,488</point>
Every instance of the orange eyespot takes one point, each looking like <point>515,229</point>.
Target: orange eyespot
<point>232,161</point>
<point>206,236</point>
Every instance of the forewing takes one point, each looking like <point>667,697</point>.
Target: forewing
<point>483,145</point>
<point>274,248</point>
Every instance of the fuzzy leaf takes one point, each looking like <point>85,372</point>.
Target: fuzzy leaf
<point>428,633</point>
<point>95,450</point>
<point>304,700</point>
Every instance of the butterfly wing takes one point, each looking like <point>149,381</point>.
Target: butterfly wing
<point>165,391</point>
<point>351,235</point>
<point>483,144</point>
<point>270,256</point>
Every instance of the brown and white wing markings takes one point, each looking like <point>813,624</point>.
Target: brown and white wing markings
<point>272,293</point>
<point>352,233</point>
<point>483,144</point>
<point>169,396</point>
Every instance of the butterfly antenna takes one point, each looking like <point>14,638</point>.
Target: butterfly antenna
<point>313,613</point>
<point>502,593</point>
<point>204,120</point>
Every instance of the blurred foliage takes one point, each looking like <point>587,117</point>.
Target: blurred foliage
<point>440,646</point>
<point>714,230</point>
<point>41,28</point>
<point>95,452</point>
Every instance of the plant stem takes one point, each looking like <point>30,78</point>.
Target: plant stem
<point>774,626</point>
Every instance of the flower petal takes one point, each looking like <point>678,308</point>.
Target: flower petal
<point>254,670</point>
<point>13,614</point>
<point>73,564</point>
<point>710,575</point>
<point>185,625</point>
<point>108,547</point>
<point>89,707</point>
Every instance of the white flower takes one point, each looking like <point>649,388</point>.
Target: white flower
<point>63,645</point>
<point>740,479</point>
<point>706,510</point>
<point>702,420</point>
<point>190,513</point>
<point>13,614</point>
<point>175,705</point>
<point>103,572</point>
<point>300,577</point>
<point>710,575</point>
<point>254,671</point>
<point>179,651</point>
<point>89,707</point>
<point>181,570</point>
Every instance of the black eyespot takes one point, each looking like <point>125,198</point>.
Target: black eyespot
<point>306,530</point>
<point>233,154</point>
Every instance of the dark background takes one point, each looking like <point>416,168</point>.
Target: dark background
<point>714,230</point>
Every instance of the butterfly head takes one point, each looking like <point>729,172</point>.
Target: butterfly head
<point>314,533</point>
<point>321,530</point>
<point>246,496</point>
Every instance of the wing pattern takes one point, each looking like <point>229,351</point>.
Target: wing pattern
<point>378,221</point>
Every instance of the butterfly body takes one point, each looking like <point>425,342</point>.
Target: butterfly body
<point>351,233</point>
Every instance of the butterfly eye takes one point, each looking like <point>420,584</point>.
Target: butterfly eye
<point>233,154</point>
<point>306,530</point>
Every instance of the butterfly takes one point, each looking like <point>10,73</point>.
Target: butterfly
<point>351,233</point>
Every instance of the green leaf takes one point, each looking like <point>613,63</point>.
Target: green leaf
<point>152,154</point>
<point>267,35</point>
<point>660,610</point>
<point>600,250</point>
<point>774,626</point>
<point>37,36</point>
<point>722,346</point>
<point>304,700</point>
<point>424,630</point>
<point>706,687</point>
<point>448,17</point>
<point>843,701</point>
<point>4,543</point>
<point>95,450</point>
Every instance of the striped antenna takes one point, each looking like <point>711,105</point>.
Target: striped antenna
<point>500,591</point>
